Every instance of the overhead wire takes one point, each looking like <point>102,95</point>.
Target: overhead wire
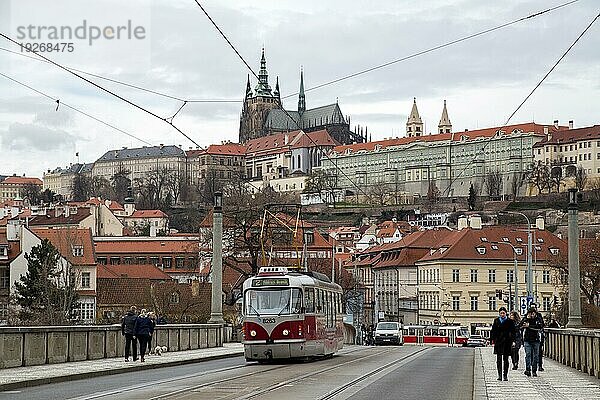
<point>434,48</point>
<point>102,88</point>
<point>489,140</point>
<point>61,103</point>
<point>130,85</point>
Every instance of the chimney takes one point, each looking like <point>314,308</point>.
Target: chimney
<point>546,130</point>
<point>556,123</point>
<point>462,222</point>
<point>571,124</point>
<point>475,222</point>
<point>286,139</point>
<point>540,223</point>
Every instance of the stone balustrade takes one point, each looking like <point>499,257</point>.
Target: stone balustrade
<point>23,346</point>
<point>577,348</point>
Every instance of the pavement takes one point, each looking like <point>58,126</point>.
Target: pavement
<point>14,378</point>
<point>557,382</point>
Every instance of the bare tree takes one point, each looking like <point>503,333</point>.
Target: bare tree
<point>324,183</point>
<point>121,183</point>
<point>581,179</point>
<point>515,184</point>
<point>433,195</point>
<point>556,178</point>
<point>493,184</point>
<point>539,176</point>
<point>32,193</point>
<point>379,194</point>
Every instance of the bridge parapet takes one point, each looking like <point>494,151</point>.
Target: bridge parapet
<point>24,346</point>
<point>577,348</point>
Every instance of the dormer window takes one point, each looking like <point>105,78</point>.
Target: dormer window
<point>494,247</point>
<point>554,251</point>
<point>443,249</point>
<point>520,240</point>
<point>484,239</point>
<point>541,240</point>
<point>505,239</point>
<point>481,250</point>
<point>518,250</point>
<point>77,251</point>
<point>4,251</point>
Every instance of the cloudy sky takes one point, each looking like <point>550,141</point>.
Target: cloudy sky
<point>179,53</point>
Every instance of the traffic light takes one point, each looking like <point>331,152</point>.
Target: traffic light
<point>499,293</point>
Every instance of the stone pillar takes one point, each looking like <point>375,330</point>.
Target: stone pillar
<point>216,309</point>
<point>574,277</point>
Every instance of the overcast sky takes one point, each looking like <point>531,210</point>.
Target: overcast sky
<point>181,54</point>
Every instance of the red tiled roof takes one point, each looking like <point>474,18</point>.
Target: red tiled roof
<point>65,238</point>
<point>313,139</point>
<point>148,214</point>
<point>14,248</point>
<point>455,136</point>
<point>227,149</point>
<point>136,271</point>
<point>51,219</point>
<point>571,136</point>
<point>21,180</point>
<point>116,246</point>
<point>115,206</point>
<point>271,142</point>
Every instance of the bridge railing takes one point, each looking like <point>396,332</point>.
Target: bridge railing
<point>577,348</point>
<point>24,346</point>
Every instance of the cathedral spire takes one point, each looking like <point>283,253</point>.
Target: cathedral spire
<point>414,125</point>
<point>276,93</point>
<point>301,97</point>
<point>445,126</point>
<point>248,88</point>
<point>263,88</point>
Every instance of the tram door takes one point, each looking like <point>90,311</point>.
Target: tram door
<point>451,336</point>
<point>420,333</point>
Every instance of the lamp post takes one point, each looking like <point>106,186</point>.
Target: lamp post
<point>216,309</point>
<point>574,278</point>
<point>529,257</point>
<point>515,275</point>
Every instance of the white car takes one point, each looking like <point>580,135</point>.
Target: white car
<point>389,333</point>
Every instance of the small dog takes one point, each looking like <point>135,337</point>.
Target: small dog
<point>158,350</point>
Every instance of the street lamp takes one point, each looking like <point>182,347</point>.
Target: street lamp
<point>516,274</point>
<point>216,309</point>
<point>529,245</point>
<point>574,277</point>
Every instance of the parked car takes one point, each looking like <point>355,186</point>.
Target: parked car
<point>389,332</point>
<point>476,341</point>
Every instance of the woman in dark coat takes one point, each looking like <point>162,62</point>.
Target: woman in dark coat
<point>518,340</point>
<point>144,327</point>
<point>502,335</point>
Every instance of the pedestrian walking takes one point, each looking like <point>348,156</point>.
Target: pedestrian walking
<point>502,335</point>
<point>554,324</point>
<point>127,330</point>
<point>144,327</point>
<point>517,341</point>
<point>540,317</point>
<point>531,326</point>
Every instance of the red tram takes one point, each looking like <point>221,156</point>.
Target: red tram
<point>446,335</point>
<point>291,314</point>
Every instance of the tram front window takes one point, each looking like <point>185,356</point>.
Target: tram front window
<point>273,301</point>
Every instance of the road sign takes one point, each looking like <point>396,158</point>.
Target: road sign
<point>524,303</point>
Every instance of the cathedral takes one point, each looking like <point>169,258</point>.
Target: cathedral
<point>263,113</point>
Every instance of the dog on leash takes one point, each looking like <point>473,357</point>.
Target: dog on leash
<point>158,350</point>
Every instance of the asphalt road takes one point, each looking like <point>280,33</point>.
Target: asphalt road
<point>355,373</point>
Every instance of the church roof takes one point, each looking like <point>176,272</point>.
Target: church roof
<point>444,120</point>
<point>324,115</point>
<point>414,116</point>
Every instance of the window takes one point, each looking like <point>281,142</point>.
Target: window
<point>491,303</point>
<point>309,300</point>
<point>85,312</point>
<point>77,251</point>
<point>510,276</point>
<point>4,278</point>
<point>455,275</point>
<point>546,277</point>
<point>554,251</point>
<point>174,299</point>
<point>546,302</point>
<point>491,275</point>
<point>3,311</point>
<point>518,250</point>
<point>473,275</point>
<point>166,262</point>
<point>179,262</point>
<point>481,250</point>
<point>85,279</point>
<point>115,260</point>
<point>474,303</point>
<point>456,303</point>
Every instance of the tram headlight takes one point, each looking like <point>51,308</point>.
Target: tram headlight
<point>252,333</point>
<point>286,332</point>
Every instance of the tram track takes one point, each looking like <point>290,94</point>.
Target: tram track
<point>339,390</point>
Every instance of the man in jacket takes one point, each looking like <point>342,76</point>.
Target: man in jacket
<point>502,335</point>
<point>143,329</point>
<point>532,327</point>
<point>127,330</point>
<point>540,317</point>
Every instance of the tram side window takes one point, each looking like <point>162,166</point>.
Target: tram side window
<point>330,309</point>
<point>318,301</point>
<point>309,300</point>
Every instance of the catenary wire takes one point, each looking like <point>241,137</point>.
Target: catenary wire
<point>74,108</point>
<point>434,48</point>
<point>130,85</point>
<point>118,96</point>
<point>488,141</point>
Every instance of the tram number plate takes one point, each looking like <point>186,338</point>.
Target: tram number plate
<point>270,282</point>
<point>268,320</point>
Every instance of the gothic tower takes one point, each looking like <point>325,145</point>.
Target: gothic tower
<point>301,97</point>
<point>414,125</point>
<point>258,104</point>
<point>444,126</point>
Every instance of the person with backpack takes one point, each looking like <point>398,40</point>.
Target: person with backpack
<point>532,327</point>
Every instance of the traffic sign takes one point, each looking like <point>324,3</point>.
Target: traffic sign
<point>525,302</point>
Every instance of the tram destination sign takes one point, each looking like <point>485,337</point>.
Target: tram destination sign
<point>270,282</point>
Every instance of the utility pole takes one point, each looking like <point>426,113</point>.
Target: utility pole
<point>574,278</point>
<point>216,309</point>
<point>516,279</point>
